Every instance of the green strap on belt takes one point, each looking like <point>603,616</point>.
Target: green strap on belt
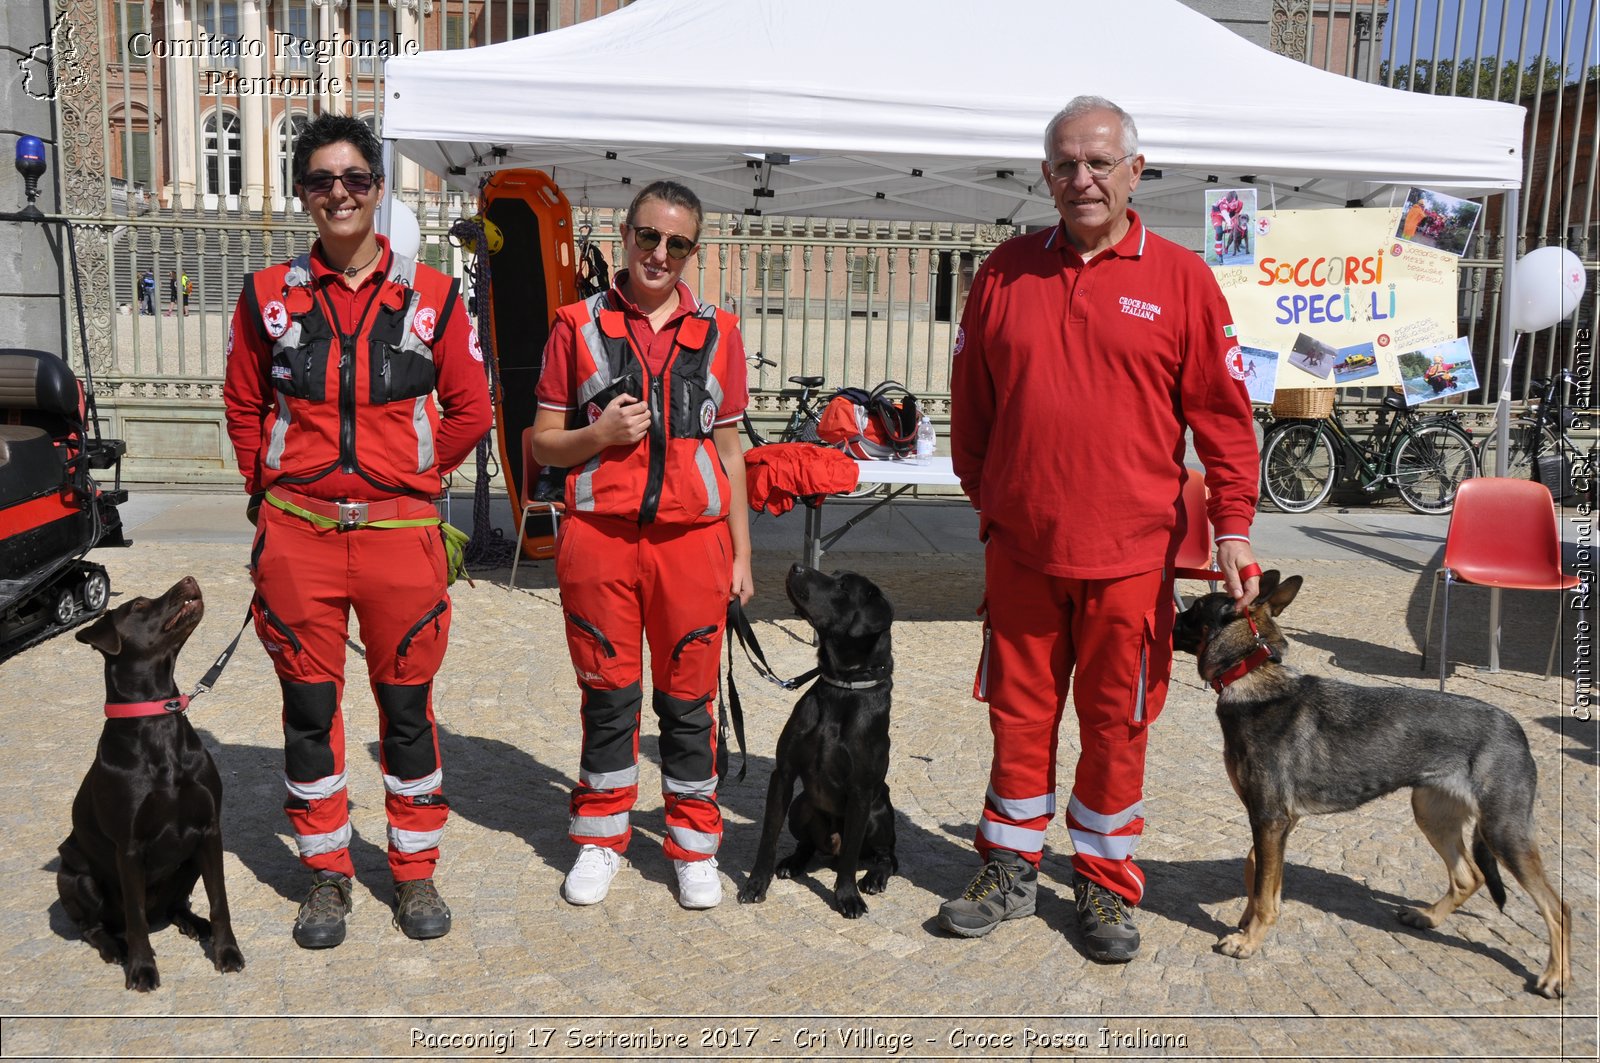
<point>328,522</point>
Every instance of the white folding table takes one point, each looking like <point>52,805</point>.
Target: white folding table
<point>898,476</point>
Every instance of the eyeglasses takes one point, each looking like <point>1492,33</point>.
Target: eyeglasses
<point>648,239</point>
<point>1100,167</point>
<point>356,182</point>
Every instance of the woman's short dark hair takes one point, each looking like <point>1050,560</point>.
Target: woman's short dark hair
<point>328,129</point>
<point>674,194</point>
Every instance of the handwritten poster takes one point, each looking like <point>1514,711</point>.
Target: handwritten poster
<point>1340,295</point>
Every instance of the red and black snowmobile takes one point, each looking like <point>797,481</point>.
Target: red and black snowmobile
<point>52,509</point>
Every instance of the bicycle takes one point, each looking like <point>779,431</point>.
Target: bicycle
<point>1540,433</point>
<point>1425,458</point>
<point>806,415</point>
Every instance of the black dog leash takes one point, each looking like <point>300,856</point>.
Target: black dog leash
<point>739,626</point>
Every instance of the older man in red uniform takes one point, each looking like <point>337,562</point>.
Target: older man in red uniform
<point>1085,352</point>
<point>334,360</point>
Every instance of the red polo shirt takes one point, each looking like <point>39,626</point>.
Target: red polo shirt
<point>1071,388</point>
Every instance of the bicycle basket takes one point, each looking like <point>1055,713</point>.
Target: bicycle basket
<point>1304,403</point>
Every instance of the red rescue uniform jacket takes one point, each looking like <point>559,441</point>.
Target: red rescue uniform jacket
<point>692,375</point>
<point>331,390</point>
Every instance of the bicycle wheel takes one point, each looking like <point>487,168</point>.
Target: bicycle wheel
<point>1430,461</point>
<point>1298,466</point>
<point>1519,465</point>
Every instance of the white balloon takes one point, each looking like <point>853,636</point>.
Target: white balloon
<point>1547,284</point>
<point>405,235</point>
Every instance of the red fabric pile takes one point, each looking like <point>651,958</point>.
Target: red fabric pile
<point>779,473</point>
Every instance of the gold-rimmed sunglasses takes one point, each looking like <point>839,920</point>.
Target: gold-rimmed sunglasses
<point>648,239</point>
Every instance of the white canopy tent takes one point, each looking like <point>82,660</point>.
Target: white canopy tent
<point>926,109</point>
<point>935,110</point>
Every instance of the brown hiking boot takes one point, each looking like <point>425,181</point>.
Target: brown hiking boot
<point>419,911</point>
<point>320,923</point>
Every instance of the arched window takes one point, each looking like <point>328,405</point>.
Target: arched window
<point>224,164</point>
<point>289,129</point>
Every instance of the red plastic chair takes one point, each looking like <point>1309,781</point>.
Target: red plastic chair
<point>1194,556</point>
<point>1503,533</point>
<point>539,548</point>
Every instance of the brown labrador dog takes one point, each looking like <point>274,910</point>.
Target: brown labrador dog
<point>146,824</point>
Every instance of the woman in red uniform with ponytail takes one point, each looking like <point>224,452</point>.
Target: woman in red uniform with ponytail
<point>642,389</point>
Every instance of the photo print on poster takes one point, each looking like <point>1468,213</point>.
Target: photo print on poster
<point>1258,368</point>
<point>1229,217</point>
<point>1313,356</point>
<point>1355,363</point>
<point>1433,219</point>
<point>1438,371</point>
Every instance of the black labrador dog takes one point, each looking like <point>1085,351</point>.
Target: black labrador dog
<point>836,744</point>
<point>146,823</point>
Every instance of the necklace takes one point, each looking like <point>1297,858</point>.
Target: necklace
<point>351,271</point>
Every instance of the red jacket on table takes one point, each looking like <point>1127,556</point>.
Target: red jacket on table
<point>363,427</point>
<point>691,372</point>
<point>1071,387</point>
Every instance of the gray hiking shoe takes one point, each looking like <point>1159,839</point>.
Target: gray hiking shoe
<point>419,911</point>
<point>320,924</point>
<point>1006,888</point>
<point>1106,923</point>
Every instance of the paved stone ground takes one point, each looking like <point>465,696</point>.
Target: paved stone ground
<point>1340,977</point>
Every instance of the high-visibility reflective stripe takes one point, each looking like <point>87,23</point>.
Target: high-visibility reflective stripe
<point>599,826</point>
<point>424,430</point>
<point>414,787</point>
<point>609,780</point>
<point>280,431</point>
<point>702,788</point>
<point>695,841</point>
<point>1106,823</point>
<point>583,489</point>
<point>592,386</point>
<point>319,844</point>
<point>708,477</point>
<point>1105,846</point>
<point>1144,666</point>
<point>414,841</point>
<point>317,789</point>
<point>1022,807</point>
<point>1007,836</point>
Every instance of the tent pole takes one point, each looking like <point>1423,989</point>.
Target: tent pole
<point>1502,410</point>
<point>385,212</point>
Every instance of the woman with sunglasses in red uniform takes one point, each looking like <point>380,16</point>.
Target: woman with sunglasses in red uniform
<point>641,393</point>
<point>334,362</point>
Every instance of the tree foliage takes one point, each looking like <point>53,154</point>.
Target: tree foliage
<point>1477,77</point>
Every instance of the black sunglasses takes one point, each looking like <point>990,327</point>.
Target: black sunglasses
<point>649,239</point>
<point>356,182</point>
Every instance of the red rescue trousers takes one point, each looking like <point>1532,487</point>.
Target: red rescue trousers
<point>308,579</point>
<point>671,583</point>
<point>1110,642</point>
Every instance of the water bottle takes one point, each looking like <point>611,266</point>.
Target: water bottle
<point>925,441</point>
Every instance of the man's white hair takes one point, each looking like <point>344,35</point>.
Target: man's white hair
<point>1082,105</point>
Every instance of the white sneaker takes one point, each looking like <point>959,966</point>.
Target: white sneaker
<point>590,878</point>
<point>699,885</point>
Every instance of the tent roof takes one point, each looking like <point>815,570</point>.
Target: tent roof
<point>926,109</point>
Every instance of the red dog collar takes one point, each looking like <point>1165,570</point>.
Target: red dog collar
<point>130,709</point>
<point>1255,659</point>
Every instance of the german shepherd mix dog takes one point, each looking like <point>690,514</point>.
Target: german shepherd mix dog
<point>836,744</point>
<point>146,823</point>
<point>1297,744</point>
